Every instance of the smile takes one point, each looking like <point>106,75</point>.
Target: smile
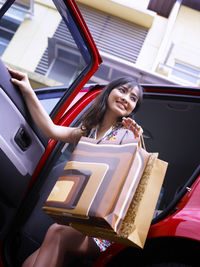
<point>121,105</point>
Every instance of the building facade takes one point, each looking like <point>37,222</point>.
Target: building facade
<point>152,41</point>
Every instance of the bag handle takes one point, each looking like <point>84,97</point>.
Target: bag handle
<point>141,136</point>
<point>142,141</point>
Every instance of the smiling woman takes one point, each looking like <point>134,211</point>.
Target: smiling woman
<point>113,110</point>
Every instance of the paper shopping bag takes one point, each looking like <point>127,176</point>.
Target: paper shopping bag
<point>136,224</point>
<point>98,192</point>
<point>90,188</point>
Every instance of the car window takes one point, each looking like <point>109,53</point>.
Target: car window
<point>48,104</point>
<point>49,97</point>
<point>63,56</point>
<point>72,55</point>
<point>68,56</point>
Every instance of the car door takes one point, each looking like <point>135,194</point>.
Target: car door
<point>23,148</point>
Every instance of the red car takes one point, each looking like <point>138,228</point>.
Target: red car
<point>31,164</point>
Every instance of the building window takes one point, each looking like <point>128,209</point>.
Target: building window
<point>9,24</point>
<point>114,36</point>
<point>62,61</point>
<point>113,41</point>
<point>65,61</point>
<point>186,73</point>
<point>161,7</point>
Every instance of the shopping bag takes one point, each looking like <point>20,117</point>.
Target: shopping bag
<point>97,187</point>
<point>136,224</point>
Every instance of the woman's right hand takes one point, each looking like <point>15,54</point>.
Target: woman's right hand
<point>20,79</point>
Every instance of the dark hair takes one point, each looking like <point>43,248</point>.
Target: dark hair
<point>96,112</point>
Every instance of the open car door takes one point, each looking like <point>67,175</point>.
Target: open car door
<point>23,148</point>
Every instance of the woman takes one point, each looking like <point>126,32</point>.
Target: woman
<point>112,111</point>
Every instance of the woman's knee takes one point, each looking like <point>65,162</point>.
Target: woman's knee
<point>55,232</point>
<point>62,233</point>
<point>69,241</point>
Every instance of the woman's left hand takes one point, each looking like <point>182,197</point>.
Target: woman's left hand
<point>130,124</point>
<point>21,79</point>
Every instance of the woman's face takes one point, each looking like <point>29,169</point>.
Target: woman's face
<point>122,100</point>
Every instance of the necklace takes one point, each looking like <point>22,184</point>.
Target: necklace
<point>93,132</point>
<point>106,133</point>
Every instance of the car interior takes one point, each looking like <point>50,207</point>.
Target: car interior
<point>170,123</point>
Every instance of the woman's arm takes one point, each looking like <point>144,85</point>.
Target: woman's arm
<point>39,115</point>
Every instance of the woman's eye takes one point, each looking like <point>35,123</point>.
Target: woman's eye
<point>134,98</point>
<point>121,89</point>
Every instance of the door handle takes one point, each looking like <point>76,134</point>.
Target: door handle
<point>23,139</point>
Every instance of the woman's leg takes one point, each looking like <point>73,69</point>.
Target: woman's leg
<point>29,262</point>
<point>60,243</point>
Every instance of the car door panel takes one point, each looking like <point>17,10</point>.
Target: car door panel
<point>20,151</point>
<point>21,147</point>
<point>17,140</point>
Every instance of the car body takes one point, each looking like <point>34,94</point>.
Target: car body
<point>169,116</point>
